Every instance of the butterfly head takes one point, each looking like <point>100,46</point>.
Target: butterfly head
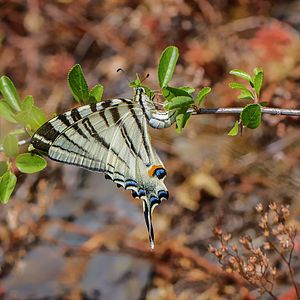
<point>140,90</point>
<point>144,92</point>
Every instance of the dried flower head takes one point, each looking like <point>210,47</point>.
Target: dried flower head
<point>259,208</point>
<point>273,206</point>
<point>252,261</point>
<point>234,248</point>
<point>218,254</point>
<point>226,237</point>
<point>273,271</point>
<point>232,260</point>
<point>211,248</point>
<point>284,241</point>
<point>263,222</point>
<point>229,270</point>
<point>218,231</point>
<point>246,241</point>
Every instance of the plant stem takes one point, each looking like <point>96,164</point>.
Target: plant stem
<point>20,143</point>
<point>238,110</point>
<point>272,295</point>
<point>288,263</point>
<point>221,110</point>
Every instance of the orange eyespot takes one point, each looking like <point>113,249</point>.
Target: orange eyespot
<point>152,169</point>
<point>158,171</point>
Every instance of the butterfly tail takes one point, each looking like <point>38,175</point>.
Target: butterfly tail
<point>149,203</point>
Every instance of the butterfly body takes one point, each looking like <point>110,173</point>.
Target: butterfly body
<point>112,137</point>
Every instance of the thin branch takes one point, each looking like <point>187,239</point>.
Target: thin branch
<point>238,110</point>
<point>291,271</point>
<point>221,110</point>
<point>20,143</point>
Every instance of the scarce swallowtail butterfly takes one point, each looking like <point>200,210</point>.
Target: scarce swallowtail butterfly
<point>112,137</point>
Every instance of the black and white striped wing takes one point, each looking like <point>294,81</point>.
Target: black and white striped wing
<point>110,137</point>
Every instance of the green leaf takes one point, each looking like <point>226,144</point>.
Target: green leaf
<point>7,184</point>
<point>10,145</point>
<point>38,116</point>
<point>96,93</point>
<point>251,116</point>
<point>246,94</point>
<point>6,112</point>
<point>258,81</point>
<point>190,90</point>
<point>17,131</point>
<point>202,94</point>
<point>135,83</point>
<point>180,101</point>
<point>235,129</point>
<point>171,92</point>
<point>10,93</point>
<point>148,92</point>
<point>257,70</point>
<point>27,104</point>
<point>23,117</point>
<point>167,65</point>
<point>181,119</point>
<point>241,74</point>
<point>3,167</point>
<point>237,86</point>
<point>32,119</point>
<point>78,85</point>
<point>30,163</point>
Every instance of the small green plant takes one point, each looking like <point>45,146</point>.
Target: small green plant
<point>28,117</point>
<point>179,98</point>
<point>250,116</point>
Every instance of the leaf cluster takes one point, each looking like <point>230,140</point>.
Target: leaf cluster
<point>251,114</point>
<point>27,118</point>
<point>177,98</point>
<point>79,87</point>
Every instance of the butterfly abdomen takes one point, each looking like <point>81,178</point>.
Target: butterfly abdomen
<point>156,119</point>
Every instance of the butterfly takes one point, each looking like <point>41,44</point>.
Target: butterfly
<point>112,137</point>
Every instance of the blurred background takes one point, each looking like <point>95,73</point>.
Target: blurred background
<point>70,234</point>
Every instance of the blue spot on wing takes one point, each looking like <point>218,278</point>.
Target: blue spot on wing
<point>160,173</point>
<point>163,194</point>
<point>154,200</point>
<point>142,192</point>
<point>130,183</point>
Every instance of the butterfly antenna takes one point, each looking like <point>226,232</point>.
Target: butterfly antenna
<point>147,76</point>
<point>125,75</point>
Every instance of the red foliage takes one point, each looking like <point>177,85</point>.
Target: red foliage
<point>271,41</point>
